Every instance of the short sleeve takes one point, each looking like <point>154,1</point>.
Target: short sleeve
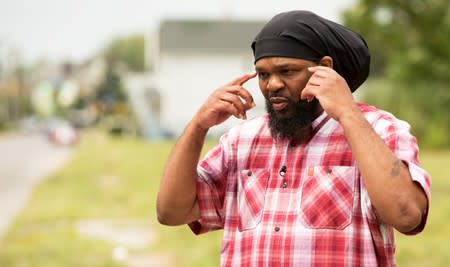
<point>211,187</point>
<point>396,134</point>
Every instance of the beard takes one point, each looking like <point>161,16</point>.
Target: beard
<point>296,124</point>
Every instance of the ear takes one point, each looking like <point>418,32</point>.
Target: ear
<point>326,61</point>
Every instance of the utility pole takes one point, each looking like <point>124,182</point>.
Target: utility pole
<point>1,63</point>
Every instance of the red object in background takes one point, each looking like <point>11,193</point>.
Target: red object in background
<point>62,133</point>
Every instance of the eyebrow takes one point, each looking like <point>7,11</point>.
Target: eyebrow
<point>258,69</point>
<point>285,66</point>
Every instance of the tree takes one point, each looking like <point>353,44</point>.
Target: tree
<point>410,44</point>
<point>128,51</point>
<point>409,39</point>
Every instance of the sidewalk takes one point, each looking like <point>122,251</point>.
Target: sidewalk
<point>24,161</point>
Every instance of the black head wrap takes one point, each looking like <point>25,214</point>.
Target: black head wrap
<point>305,35</point>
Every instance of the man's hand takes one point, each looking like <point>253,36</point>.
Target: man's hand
<point>331,90</point>
<point>230,99</point>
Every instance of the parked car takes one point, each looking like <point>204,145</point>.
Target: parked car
<point>61,132</point>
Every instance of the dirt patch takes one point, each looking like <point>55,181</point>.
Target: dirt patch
<point>130,237</point>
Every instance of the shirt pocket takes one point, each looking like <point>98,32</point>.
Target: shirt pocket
<point>327,197</point>
<point>252,187</point>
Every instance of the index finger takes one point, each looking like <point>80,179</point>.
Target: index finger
<point>242,79</point>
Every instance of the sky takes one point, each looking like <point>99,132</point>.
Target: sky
<point>74,30</point>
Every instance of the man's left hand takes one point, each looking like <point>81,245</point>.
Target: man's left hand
<point>331,90</point>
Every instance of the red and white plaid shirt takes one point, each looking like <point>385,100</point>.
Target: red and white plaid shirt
<point>286,204</point>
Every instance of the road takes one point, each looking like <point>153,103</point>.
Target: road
<point>24,161</point>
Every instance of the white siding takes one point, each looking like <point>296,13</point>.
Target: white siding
<point>185,82</point>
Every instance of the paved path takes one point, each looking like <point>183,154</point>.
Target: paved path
<point>24,161</point>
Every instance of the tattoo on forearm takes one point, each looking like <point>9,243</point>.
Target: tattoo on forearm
<point>395,171</point>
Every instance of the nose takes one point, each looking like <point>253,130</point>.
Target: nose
<point>274,83</point>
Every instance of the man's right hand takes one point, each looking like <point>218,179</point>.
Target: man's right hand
<point>230,99</point>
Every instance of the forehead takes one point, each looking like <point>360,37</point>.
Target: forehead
<point>271,62</point>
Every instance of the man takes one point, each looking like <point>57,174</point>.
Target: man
<point>319,180</point>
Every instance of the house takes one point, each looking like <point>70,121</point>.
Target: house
<point>191,59</point>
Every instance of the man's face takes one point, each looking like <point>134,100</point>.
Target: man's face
<point>281,81</point>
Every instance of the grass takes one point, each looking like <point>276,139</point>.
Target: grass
<point>108,178</point>
<point>432,247</point>
<point>111,178</point>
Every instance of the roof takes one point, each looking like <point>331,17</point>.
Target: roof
<point>207,36</point>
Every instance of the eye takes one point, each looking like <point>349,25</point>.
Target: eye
<point>263,75</point>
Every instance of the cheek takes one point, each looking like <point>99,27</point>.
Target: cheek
<point>262,88</point>
<point>302,81</point>
<point>296,87</point>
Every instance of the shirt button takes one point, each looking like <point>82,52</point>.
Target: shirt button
<point>283,170</point>
<point>284,185</point>
<point>277,229</point>
<point>329,170</point>
<point>249,173</point>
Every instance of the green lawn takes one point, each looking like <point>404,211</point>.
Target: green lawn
<point>118,178</point>
<point>432,247</point>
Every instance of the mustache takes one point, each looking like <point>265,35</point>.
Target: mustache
<point>301,103</point>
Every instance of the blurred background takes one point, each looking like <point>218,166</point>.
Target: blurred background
<point>93,95</point>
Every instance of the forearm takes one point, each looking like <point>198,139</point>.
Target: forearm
<point>176,202</point>
<point>397,199</point>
